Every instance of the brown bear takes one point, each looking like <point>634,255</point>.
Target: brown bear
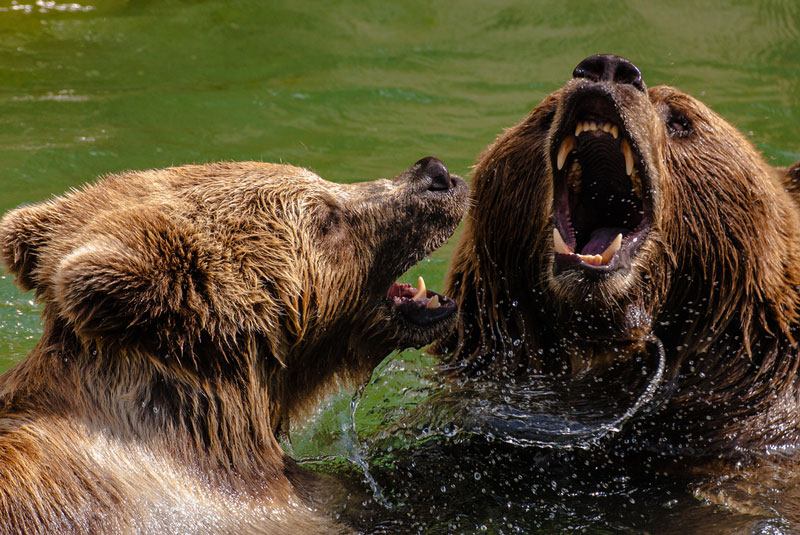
<point>188,313</point>
<point>619,226</point>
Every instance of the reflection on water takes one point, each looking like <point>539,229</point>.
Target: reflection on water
<point>532,412</point>
<point>19,325</point>
<point>537,456</point>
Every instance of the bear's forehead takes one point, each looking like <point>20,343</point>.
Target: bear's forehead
<point>661,96</point>
<point>278,186</point>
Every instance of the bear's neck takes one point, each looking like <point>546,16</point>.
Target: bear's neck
<point>218,422</point>
<point>727,392</point>
<point>716,390</point>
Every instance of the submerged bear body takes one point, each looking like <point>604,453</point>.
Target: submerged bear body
<point>189,313</point>
<point>619,231</point>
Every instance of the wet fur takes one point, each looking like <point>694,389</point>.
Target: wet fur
<point>718,279</point>
<point>188,314</point>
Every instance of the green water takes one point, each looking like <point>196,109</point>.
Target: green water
<point>353,89</point>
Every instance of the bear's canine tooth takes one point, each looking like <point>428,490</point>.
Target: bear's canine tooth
<point>578,129</point>
<point>615,131</point>
<point>612,249</point>
<point>566,146</point>
<point>422,291</point>
<point>626,151</point>
<point>558,243</point>
<point>433,303</point>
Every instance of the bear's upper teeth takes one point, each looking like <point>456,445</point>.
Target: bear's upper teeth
<point>569,143</point>
<point>591,126</point>
<point>422,291</point>
<point>566,147</point>
<point>626,151</point>
<point>559,244</point>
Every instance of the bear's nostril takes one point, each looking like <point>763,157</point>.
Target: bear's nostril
<point>609,68</point>
<point>433,169</point>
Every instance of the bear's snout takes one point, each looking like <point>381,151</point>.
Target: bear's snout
<point>609,68</point>
<point>433,170</point>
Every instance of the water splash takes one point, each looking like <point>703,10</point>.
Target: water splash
<point>356,455</point>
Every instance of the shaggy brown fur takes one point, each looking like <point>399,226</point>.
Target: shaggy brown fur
<point>709,264</point>
<point>188,313</point>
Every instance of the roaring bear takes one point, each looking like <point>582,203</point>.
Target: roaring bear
<point>190,312</point>
<point>618,226</point>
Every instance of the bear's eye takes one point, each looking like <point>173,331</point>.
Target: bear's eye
<point>678,125</point>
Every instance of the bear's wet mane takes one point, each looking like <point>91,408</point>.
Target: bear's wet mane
<point>717,280</point>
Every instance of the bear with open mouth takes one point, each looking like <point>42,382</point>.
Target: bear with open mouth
<point>190,312</point>
<point>618,225</point>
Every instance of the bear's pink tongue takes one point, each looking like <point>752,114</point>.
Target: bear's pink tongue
<point>600,239</point>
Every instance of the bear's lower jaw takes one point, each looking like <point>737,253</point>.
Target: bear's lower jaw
<point>618,257</point>
<point>419,306</point>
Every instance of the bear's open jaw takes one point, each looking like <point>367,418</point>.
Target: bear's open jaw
<point>419,305</point>
<point>601,200</point>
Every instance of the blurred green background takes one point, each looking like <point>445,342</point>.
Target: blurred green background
<point>353,89</point>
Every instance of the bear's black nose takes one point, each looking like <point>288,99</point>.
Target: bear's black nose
<point>609,68</point>
<point>434,170</point>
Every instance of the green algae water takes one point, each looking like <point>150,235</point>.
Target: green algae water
<point>362,89</point>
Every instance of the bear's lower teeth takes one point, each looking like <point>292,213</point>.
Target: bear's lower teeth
<point>602,259</point>
<point>420,296</point>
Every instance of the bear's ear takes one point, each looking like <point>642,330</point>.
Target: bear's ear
<point>23,233</point>
<point>95,286</point>
<point>137,271</point>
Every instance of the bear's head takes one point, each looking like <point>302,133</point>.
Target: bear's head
<point>614,214</point>
<point>234,269</point>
